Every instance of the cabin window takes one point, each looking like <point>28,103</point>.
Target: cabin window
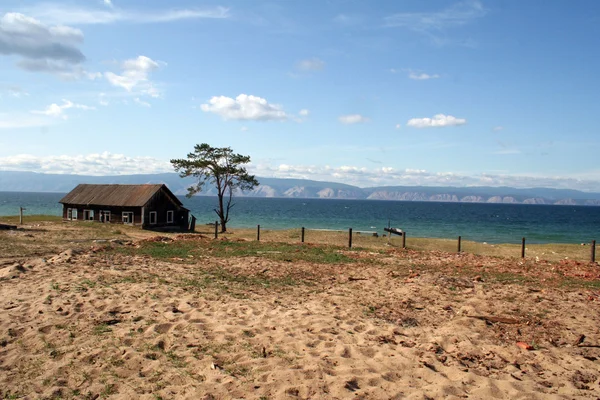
<point>152,217</point>
<point>170,217</point>
<point>88,215</point>
<point>127,217</point>
<point>104,216</point>
<point>71,213</point>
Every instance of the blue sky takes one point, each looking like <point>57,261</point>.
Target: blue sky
<point>361,92</point>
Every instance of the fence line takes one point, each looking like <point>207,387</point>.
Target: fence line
<point>403,234</point>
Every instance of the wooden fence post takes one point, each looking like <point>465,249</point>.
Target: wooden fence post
<point>216,229</point>
<point>302,234</point>
<point>350,237</point>
<point>404,239</point>
<point>593,252</point>
<point>21,215</point>
<point>258,233</point>
<point>459,240</point>
<point>523,248</point>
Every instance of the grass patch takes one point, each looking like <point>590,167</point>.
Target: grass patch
<point>285,252</point>
<point>102,329</point>
<point>85,285</point>
<point>280,251</point>
<point>508,278</point>
<point>580,283</point>
<point>235,285</point>
<point>160,250</point>
<point>28,219</point>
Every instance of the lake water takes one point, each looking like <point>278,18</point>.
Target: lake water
<point>493,223</point>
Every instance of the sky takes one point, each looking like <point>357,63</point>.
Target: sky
<point>368,93</point>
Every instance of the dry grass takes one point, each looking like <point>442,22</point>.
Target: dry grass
<point>550,252</point>
<point>83,233</point>
<point>43,235</point>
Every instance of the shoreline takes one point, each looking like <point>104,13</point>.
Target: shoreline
<point>491,223</point>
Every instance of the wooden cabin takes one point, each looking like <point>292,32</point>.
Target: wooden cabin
<point>149,206</point>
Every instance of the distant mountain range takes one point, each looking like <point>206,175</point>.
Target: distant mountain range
<point>14,181</point>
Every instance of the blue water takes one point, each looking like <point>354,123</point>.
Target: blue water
<point>493,223</point>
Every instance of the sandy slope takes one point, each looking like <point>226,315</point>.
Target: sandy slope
<point>99,324</point>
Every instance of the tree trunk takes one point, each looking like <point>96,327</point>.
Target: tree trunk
<point>221,214</point>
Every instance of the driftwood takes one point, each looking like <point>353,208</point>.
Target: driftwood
<point>351,278</point>
<point>579,342</point>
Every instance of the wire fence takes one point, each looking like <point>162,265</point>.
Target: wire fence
<point>585,251</point>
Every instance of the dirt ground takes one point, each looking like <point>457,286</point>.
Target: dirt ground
<point>89,311</point>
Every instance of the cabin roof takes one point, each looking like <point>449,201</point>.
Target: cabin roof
<point>116,195</point>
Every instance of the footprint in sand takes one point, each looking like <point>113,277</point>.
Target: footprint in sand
<point>46,329</point>
<point>163,328</point>
<point>346,353</point>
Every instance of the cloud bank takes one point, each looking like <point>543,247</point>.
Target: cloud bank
<point>92,164</point>
<point>118,164</point>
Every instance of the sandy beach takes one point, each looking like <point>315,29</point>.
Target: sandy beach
<point>129,314</point>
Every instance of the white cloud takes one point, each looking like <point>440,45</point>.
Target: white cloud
<point>91,164</point>
<point>421,76</point>
<point>311,64</point>
<point>398,126</point>
<point>108,3</point>
<point>353,119</point>
<point>304,113</point>
<point>58,111</point>
<point>42,48</point>
<point>497,128</point>
<point>244,129</point>
<point>244,107</point>
<point>438,121</point>
<point>75,15</point>
<point>135,76</point>
<point>141,102</point>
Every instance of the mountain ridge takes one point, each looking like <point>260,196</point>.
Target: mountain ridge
<point>19,181</point>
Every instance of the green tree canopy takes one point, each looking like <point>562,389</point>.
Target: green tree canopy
<point>218,166</point>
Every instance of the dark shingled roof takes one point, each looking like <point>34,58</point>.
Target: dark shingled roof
<point>115,195</point>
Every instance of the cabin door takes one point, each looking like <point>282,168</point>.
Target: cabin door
<point>88,215</point>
